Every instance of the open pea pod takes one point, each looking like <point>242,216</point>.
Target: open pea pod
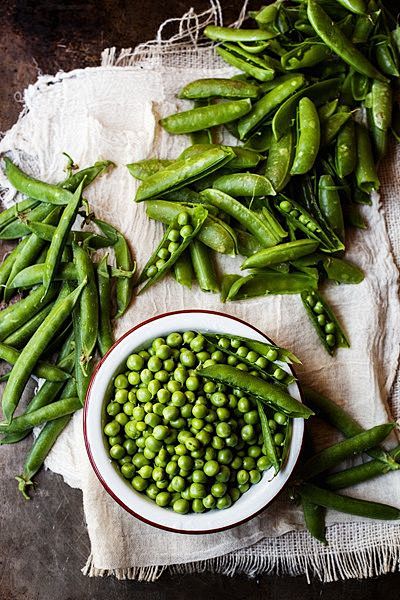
<point>267,368</point>
<point>325,323</point>
<point>306,54</point>
<point>261,68</point>
<point>244,184</point>
<point>181,231</point>
<point>269,282</point>
<point>183,172</point>
<point>144,168</point>
<point>342,271</point>
<point>245,158</point>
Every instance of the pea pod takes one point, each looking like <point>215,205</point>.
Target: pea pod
<point>342,271</point>
<point>228,34</point>
<point>144,168</point>
<point>329,203</point>
<point>308,138</point>
<point>227,281</point>
<point>213,233</point>
<point>332,126</point>
<point>314,517</point>
<point>325,323</point>
<point>203,267</point>
<point>42,369</point>
<point>261,140</point>
<point>247,243</point>
<point>381,105</point>
<point>255,66</point>
<point>267,104</point>
<point>366,175</point>
<point>87,176</point>
<point>386,55</point>
<point>46,232</point>
<point>333,455</point>
<point>38,190</point>
<point>265,392</point>
<point>279,161</point>
<point>157,266</point>
<point>184,172</point>
<point>246,217</point>
<point>218,88</point>
<point>15,315</point>
<point>267,438</point>
<point>267,283</point>
<point>364,26</point>
<point>104,335</point>
<point>20,336</point>
<point>358,7</point>
<point>205,117</point>
<point>345,150</point>
<point>87,303</point>
<point>37,417</point>
<point>336,40</point>
<point>244,184</point>
<point>270,352</point>
<point>8,262</point>
<point>304,55</point>
<point>10,214</point>
<point>280,253</point>
<point>183,270</point>
<point>346,504</point>
<point>327,110</point>
<point>34,348</point>
<point>19,227</point>
<point>244,157</point>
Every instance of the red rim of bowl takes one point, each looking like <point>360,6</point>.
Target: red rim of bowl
<point>89,452</point>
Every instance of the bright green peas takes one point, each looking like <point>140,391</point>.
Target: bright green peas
<point>224,343</point>
<point>218,490</point>
<point>112,428</point>
<point>178,423</point>
<point>242,477</point>
<point>211,453</point>
<point>218,356</point>
<point>178,398</point>
<point>244,405</point>
<point>152,419</point>
<point>163,484</point>
<point>247,432</point>
<point>187,358</point>
<point>248,463</point>
<point>280,418</point>
<point>182,436</point>
<point>191,396</point>
<point>131,431</point>
<point>140,441</point>
<point>330,340</point>
<point>279,439</point>
<point>163,396</point>
<point>279,374</point>
<point>232,440</point>
<point>163,253</point>
<point>181,506</point>
<point>160,264</point>
<point>254,451</point>
<point>146,376</point>
<point>138,413</point>
<point>251,417</point>
<point>121,381</point>
<point>140,426</point>
<point>198,490</point>
<point>158,474</point>
<point>204,437</point>
<point>202,356</point>
<point>180,374</point>
<point>223,430</point>
<point>224,474</point>
<point>128,408</point>
<point>160,432</point>
<point>197,423</point>
<point>255,476</point>
<point>252,356</point>
<point>192,383</point>
<point>198,476</point>
<point>242,367</point>
<point>319,308</point>
<point>192,444</point>
<point>143,395</point>
<point>261,362</point>
<point>182,218</point>
<point>186,231</point>
<point>153,386</point>
<point>154,364</point>
<point>209,363</point>
<point>174,340</point>
<point>178,483</point>
<point>171,468</point>
<point>197,505</point>
<point>198,343</point>
<point>217,443</point>
<point>242,351</point>
<point>151,271</point>
<point>188,336</point>
<point>169,365</point>
<point>130,447</point>
<point>199,411</point>
<point>145,471</point>
<point>134,362</point>
<point>244,488</point>
<point>125,460</point>
<point>113,409</point>
<point>225,456</point>
<point>173,236</point>
<point>139,484</point>
<point>211,468</point>
<point>152,491</point>
<point>128,470</point>
<point>236,463</point>
<point>330,327</point>
<point>163,498</point>
<point>209,387</point>
<point>185,474</point>
<point>209,502</point>
<point>219,399</point>
<point>232,360</point>
<point>234,494</point>
<point>224,502</point>
<point>181,449</point>
<point>122,419</point>
<point>173,247</point>
<point>158,409</point>
<point>152,444</point>
<point>173,386</point>
<point>185,462</point>
<point>117,452</point>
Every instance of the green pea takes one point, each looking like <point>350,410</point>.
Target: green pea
<point>285,206</point>
<point>236,463</point>
<point>121,381</point>
<point>143,395</point>
<point>128,470</point>
<point>170,413</point>
<point>112,428</point>
<point>139,484</point>
<point>198,490</point>
<point>182,218</point>
<point>192,383</point>
<point>163,253</point>
<point>244,488</point>
<point>224,474</point>
<point>254,451</point>
<point>251,417</point>
<point>173,386</point>
<point>217,443</point>
<point>223,430</point>
<point>130,447</point>
<point>128,408</point>
<point>173,247</point>
<point>178,483</point>
<point>199,411</point>
<point>249,463</point>
<point>134,363</point>
<point>169,365</point>
<point>280,418</point>
<point>197,505</point>
<point>218,490</point>
<point>151,271</point>
<point>247,432</point>
<point>225,456</point>
<point>146,376</point>
<point>232,440</point>
<point>181,506</point>
<point>185,462</point>
<point>117,451</point>
<point>122,419</point>
<point>232,360</point>
<point>113,409</point>
<point>199,476</point>
<point>160,432</point>
<point>244,405</point>
<point>219,399</point>
<point>319,308</point>
<point>178,423</point>
<point>330,340</point>
<point>321,319</point>
<point>218,356</point>
<point>224,502</point>
<point>242,477</point>
<point>152,419</point>
<point>211,468</point>
<point>192,444</point>
<point>204,437</point>
<point>187,358</point>
<point>330,327</point>
<point>154,364</point>
<point>188,336</point>
<point>209,502</point>
<point>131,431</point>
<point>174,340</point>
<point>178,398</point>
<point>172,468</point>
<point>163,498</point>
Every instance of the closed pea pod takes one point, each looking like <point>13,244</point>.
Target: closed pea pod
<point>304,55</point>
<point>52,411</point>
<point>34,274</point>
<point>87,304</point>
<point>8,262</point>
<point>244,184</point>
<point>342,271</point>
<point>218,88</point>
<point>46,232</point>
<point>228,279</point>
<point>345,150</point>
<point>228,34</point>
<point>42,369</point>
<point>358,7</point>
<point>366,175</point>
<point>104,335</point>
<point>267,283</point>
<point>244,158</point>
<point>386,55</point>
<point>204,117</point>
<point>308,138</point>
<point>183,270</point>
<point>279,161</point>
<point>280,253</point>
<point>267,437</point>
<point>346,504</point>
<point>87,176</point>
<point>314,517</point>
<point>332,126</point>
<point>330,205</point>
<point>19,227</point>
<point>10,214</point>
<point>203,267</point>
<point>21,335</point>
<point>144,168</point>
<point>255,66</point>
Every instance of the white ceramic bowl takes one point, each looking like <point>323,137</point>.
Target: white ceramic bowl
<point>248,505</point>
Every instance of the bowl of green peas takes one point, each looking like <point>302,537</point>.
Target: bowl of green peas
<point>193,421</point>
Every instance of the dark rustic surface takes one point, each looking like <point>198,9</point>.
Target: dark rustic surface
<point>43,543</point>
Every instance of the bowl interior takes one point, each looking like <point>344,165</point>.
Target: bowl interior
<point>250,503</point>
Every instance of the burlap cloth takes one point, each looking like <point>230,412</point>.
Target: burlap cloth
<point>112,112</point>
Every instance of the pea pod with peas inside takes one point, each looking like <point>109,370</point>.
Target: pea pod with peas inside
<point>279,160</point>
<point>46,231</point>
<point>330,205</point>
<point>244,158</point>
<point>305,54</point>
<point>265,283</point>
<point>270,352</point>
<point>218,88</point>
<point>281,253</point>
<point>260,68</point>
<point>179,234</point>
<point>244,184</point>
<point>345,150</point>
<point>325,323</point>
<point>42,369</point>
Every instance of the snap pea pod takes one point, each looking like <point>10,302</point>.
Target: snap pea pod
<point>82,372</point>
<point>268,441</point>
<point>34,348</point>
<point>346,504</point>
<point>279,161</point>
<point>253,65</point>
<point>267,104</point>
<point>270,352</point>
<point>42,369</point>
<point>267,393</point>
<point>184,172</point>
<point>183,270</point>
<point>227,281</point>
<point>244,184</point>
<point>144,168</point>
<point>359,473</point>
<point>248,219</point>
<point>332,126</point>
<point>267,283</point>
<point>380,138</point>
<point>57,244</point>
<point>228,34</point>
<point>15,315</point>
<point>359,85</point>
<point>87,176</point>
<point>247,243</point>
<point>319,93</point>
<point>203,267</point>
<point>219,88</point>
<point>342,421</point>
<point>244,158</point>
<point>261,139</point>
<point>50,412</point>
<point>19,337</point>
<point>125,262</point>
<point>10,214</point>
<point>203,136</point>
<point>386,55</point>
<point>186,195</point>
<point>381,105</point>
<point>325,323</point>
<point>358,7</point>
<point>40,449</point>
<point>183,229</point>
<point>213,233</point>
<point>337,41</point>
<point>327,110</point>
<point>314,517</point>
<point>88,303</point>
<point>18,228</point>
<point>281,253</point>
<point>308,137</point>
<point>299,218</point>
<point>38,190</point>
<point>342,271</point>
<point>366,175</point>
<point>304,55</point>
<point>46,232</point>
<point>333,455</point>
<point>364,26</point>
<point>205,117</point>
<point>330,205</point>
<point>8,262</point>
<point>345,150</point>
<point>104,336</point>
